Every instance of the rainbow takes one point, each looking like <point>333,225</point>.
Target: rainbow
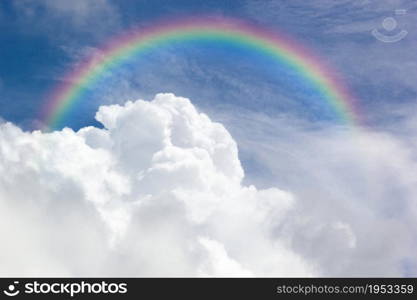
<point>65,97</point>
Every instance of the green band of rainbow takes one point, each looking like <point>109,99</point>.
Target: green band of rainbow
<point>65,97</point>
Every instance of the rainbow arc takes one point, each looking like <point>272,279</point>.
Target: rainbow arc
<point>65,97</point>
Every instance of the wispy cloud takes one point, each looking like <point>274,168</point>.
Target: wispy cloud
<point>360,183</point>
<point>59,19</point>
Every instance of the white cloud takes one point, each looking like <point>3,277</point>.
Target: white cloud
<point>356,192</point>
<point>77,11</point>
<point>59,17</point>
<point>157,192</point>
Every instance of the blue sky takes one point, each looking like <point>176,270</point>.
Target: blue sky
<point>333,202</point>
<point>46,39</point>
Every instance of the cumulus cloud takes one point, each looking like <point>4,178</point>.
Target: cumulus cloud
<point>160,191</point>
<point>157,192</point>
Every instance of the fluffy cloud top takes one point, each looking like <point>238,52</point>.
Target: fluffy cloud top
<point>156,192</point>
